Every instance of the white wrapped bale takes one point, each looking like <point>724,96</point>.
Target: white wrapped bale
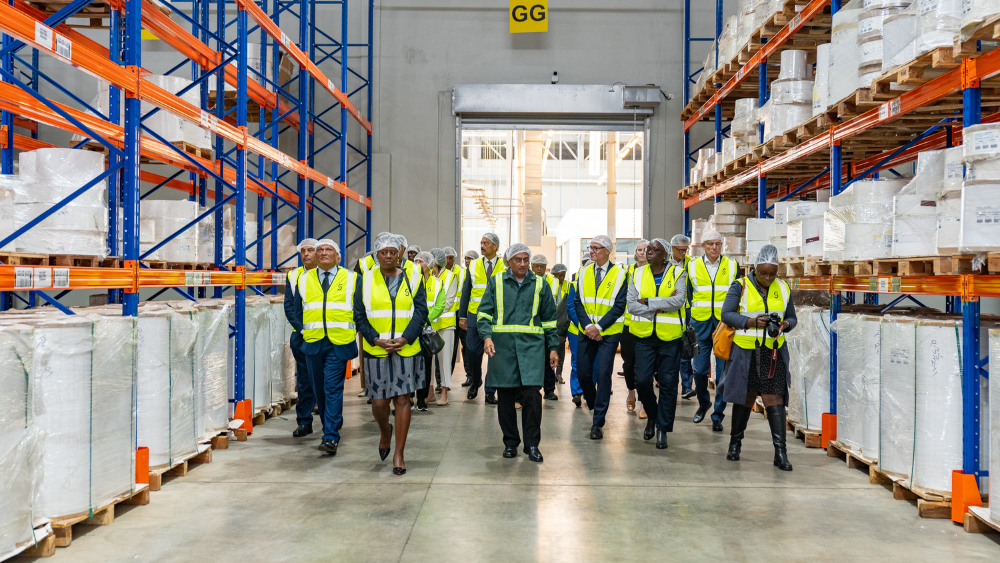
<point>809,358</point>
<point>805,237</point>
<point>896,396</point>
<point>212,364</point>
<point>821,86</point>
<point>169,216</point>
<point>857,382</point>
<point>845,53</point>
<point>994,421</point>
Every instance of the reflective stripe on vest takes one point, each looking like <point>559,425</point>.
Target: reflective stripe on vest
<point>752,305</point>
<point>708,294</point>
<point>293,279</point>
<point>597,302</point>
<point>447,318</point>
<point>329,315</point>
<point>628,279</point>
<point>368,262</point>
<point>387,316</point>
<point>477,269</point>
<point>501,326</point>
<point>668,326</point>
<point>573,328</point>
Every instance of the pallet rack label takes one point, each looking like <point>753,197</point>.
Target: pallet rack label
<point>22,278</point>
<point>60,278</point>
<point>43,34</point>
<point>64,47</point>
<point>42,278</point>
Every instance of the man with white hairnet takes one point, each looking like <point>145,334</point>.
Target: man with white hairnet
<point>679,246</point>
<point>759,307</point>
<point>517,322</point>
<point>539,263</point>
<point>600,304</point>
<point>709,278</point>
<point>480,271</point>
<point>303,385</point>
<point>412,251</point>
<point>323,313</point>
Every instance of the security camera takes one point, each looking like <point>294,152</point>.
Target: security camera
<point>555,77</point>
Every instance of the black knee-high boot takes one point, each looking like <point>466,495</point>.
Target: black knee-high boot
<point>777,419</point>
<point>740,417</point>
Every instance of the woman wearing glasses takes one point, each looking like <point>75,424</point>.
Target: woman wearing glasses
<point>760,308</point>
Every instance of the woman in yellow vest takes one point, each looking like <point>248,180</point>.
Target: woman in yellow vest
<point>390,312</point>
<point>445,323</point>
<point>657,293</point>
<point>759,306</point>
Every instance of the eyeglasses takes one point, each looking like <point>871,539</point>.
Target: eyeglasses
<point>517,260</point>
<point>596,248</point>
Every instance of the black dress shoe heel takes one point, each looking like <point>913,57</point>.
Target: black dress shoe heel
<point>699,415</point>
<point>533,454</point>
<point>661,440</point>
<point>596,433</point>
<point>398,470</point>
<point>303,430</point>
<point>650,430</point>
<point>384,453</point>
<point>510,452</point>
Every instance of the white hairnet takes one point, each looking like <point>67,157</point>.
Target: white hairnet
<point>680,240</point>
<point>386,240</point>
<point>472,254</point>
<point>439,256</point>
<point>515,249</point>
<point>449,251</point>
<point>539,259</point>
<point>493,238</point>
<point>383,233</point>
<point>413,248</point>
<point>401,241</point>
<point>558,268</point>
<point>605,241</point>
<point>641,242</point>
<point>328,242</point>
<point>767,255</point>
<point>663,243</point>
<point>711,235</point>
<point>425,257</point>
<point>306,243</point>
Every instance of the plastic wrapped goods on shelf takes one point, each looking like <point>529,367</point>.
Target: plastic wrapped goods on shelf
<point>857,341</point>
<point>21,442</point>
<point>780,243</point>
<point>994,421</point>
<point>797,210</point>
<point>794,65</point>
<point>938,23</point>
<point>949,222</point>
<point>698,228</point>
<point>805,237</point>
<point>169,217</point>
<point>211,364</point>
<point>843,76</point>
<point>914,215</point>
<point>975,12</point>
<point>6,215</point>
<point>809,355</point>
<point>744,123</point>
<point>735,208</point>
<point>280,391</point>
<point>781,218</point>
<point>899,39</point>
<point>981,152</point>
<point>760,229</point>
<point>896,395</point>
<point>980,217</point>
<point>166,384</point>
<point>84,369</point>
<point>858,224</point>
<point>734,246</point>
<point>821,86</point>
<point>954,169</point>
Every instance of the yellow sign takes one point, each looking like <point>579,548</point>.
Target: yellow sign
<point>529,16</point>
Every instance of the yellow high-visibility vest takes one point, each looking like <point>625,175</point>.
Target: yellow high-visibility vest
<point>537,327</point>
<point>368,262</point>
<point>477,269</point>
<point>450,316</point>
<point>708,294</point>
<point>293,278</point>
<point>329,315</point>
<point>390,318</point>
<point>668,326</point>
<point>598,301</point>
<point>631,272</point>
<point>573,328</point>
<point>752,305</point>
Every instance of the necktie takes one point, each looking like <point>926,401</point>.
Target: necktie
<point>326,281</point>
<point>600,276</point>
<point>489,268</point>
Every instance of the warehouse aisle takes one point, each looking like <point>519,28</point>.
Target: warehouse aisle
<point>276,499</point>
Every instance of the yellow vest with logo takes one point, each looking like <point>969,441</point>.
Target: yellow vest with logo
<point>708,295</point>
<point>388,318</point>
<point>668,326</point>
<point>477,269</point>
<point>752,305</point>
<point>598,301</point>
<point>330,315</point>
<point>447,318</point>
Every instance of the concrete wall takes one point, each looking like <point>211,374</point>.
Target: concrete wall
<point>424,47</point>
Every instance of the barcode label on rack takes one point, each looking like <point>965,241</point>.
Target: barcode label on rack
<point>64,47</point>
<point>329,85</point>
<point>329,183</point>
<point>883,285</point>
<point>796,21</point>
<point>284,39</point>
<point>894,106</point>
<point>204,119</point>
<point>188,278</point>
<point>60,278</point>
<point>275,279</point>
<point>22,278</point>
<point>198,279</point>
<point>213,123</point>
<point>42,278</point>
<point>43,35</point>
<point>206,278</point>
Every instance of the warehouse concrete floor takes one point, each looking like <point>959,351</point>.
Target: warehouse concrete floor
<point>275,498</point>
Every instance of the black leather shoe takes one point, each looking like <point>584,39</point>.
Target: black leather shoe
<point>509,452</point>
<point>688,393</point>
<point>551,397</point>
<point>650,430</point>
<point>716,426</point>
<point>741,415</point>
<point>699,416</point>
<point>399,471</point>
<point>329,446</point>
<point>661,440</point>
<point>491,399</point>
<point>596,433</point>
<point>533,454</point>
<point>468,382</point>
<point>777,419</point>
<point>384,453</point>
<point>473,392</point>
<point>302,430</point>
<point>421,405</point>
<point>577,401</point>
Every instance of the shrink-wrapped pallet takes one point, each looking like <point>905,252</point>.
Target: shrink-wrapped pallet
<point>253,72</point>
<point>83,369</point>
<point>796,210</point>
<point>821,86</point>
<point>975,12</point>
<point>212,366</point>
<point>938,23</point>
<point>6,213</point>
<point>698,228</point>
<point>165,407</point>
<point>858,224</point>
<point>21,442</point>
<point>169,217</point>
<point>857,382</point>
<point>744,124</point>
<point>280,391</point>
<point>914,212</point>
<point>994,421</point>
<point>809,369</point>
<point>896,395</point>
<point>794,65</point>
<point>980,217</point>
<point>805,237</point>
<point>845,53</point>
<point>899,39</point>
<point>781,218</point>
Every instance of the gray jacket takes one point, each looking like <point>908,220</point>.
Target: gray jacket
<point>654,304</point>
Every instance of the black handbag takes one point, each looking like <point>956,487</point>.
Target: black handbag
<point>689,344</point>
<point>430,341</point>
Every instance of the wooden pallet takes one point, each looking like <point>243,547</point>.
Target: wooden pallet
<point>22,259</point>
<point>95,13</point>
<point>853,458</point>
<point>42,544</point>
<point>993,263</point>
<point>802,266</point>
<point>930,504</point>
<point>848,267</point>
<point>911,266</point>
<point>919,71</point>
<point>989,30</point>
<point>179,468</point>
<point>80,261</point>
<point>183,146</point>
<point>162,265</point>
<point>810,437</point>
<point>953,265</point>
<point>978,521</point>
<point>63,527</point>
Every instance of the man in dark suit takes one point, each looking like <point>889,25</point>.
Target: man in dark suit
<point>303,385</point>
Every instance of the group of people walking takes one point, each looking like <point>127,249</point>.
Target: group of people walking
<point>411,309</point>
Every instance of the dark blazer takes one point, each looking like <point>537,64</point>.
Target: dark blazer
<point>344,352</point>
